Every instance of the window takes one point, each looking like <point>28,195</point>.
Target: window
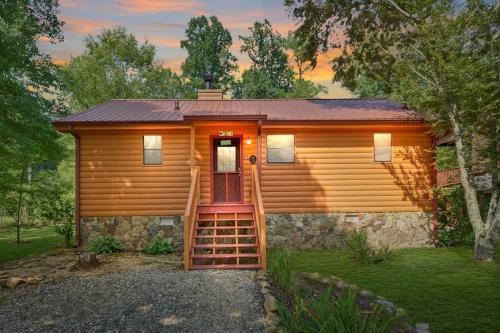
<point>280,148</point>
<point>382,147</point>
<point>152,149</point>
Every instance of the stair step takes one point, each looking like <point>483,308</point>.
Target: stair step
<point>225,236</point>
<point>225,220</point>
<point>225,228</point>
<point>225,255</point>
<point>228,266</point>
<point>210,246</point>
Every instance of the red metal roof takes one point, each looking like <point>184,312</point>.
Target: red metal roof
<point>158,111</point>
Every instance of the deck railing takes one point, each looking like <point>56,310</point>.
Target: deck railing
<point>190,215</point>
<point>448,177</point>
<point>260,216</point>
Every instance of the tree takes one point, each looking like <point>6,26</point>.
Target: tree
<point>302,88</point>
<point>114,65</point>
<point>27,77</point>
<point>265,48</point>
<point>439,57</point>
<point>207,45</point>
<point>254,84</point>
<point>299,55</point>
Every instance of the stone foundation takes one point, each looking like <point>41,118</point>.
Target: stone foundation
<point>329,230</point>
<point>133,231</point>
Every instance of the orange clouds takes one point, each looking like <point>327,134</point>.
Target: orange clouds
<point>154,6</point>
<point>84,26</point>
<point>165,41</point>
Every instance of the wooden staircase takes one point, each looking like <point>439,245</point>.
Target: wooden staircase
<point>225,237</point>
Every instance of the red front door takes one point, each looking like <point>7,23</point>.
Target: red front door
<point>226,170</point>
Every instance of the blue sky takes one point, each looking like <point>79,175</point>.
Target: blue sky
<point>163,22</point>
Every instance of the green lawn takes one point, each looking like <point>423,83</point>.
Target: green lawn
<point>36,241</point>
<point>444,287</point>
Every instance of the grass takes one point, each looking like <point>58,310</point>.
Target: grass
<point>36,241</point>
<point>444,287</point>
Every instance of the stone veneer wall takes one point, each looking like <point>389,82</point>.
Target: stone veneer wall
<point>132,231</point>
<point>329,230</point>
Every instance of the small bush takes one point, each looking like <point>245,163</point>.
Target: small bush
<point>159,245</point>
<point>105,245</point>
<point>454,226</point>
<point>359,250</point>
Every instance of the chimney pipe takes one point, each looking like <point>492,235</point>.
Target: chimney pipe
<point>176,102</point>
<point>208,80</point>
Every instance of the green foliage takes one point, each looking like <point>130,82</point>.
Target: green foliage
<point>159,245</point>
<point>446,158</point>
<point>358,249</point>
<point>207,45</point>
<point>454,225</point>
<point>36,241</point>
<point>444,287</point>
<point>105,245</point>
<point>281,270</point>
<point>255,84</point>
<point>266,50</point>
<point>114,65</point>
<point>306,89</point>
<point>27,77</point>
<point>328,314</point>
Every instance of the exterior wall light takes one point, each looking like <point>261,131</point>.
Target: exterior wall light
<point>249,140</point>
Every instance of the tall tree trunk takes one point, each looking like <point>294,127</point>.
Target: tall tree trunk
<point>19,199</point>
<point>484,246</point>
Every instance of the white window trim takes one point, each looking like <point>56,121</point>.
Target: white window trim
<point>375,147</point>
<point>267,149</point>
<point>144,151</point>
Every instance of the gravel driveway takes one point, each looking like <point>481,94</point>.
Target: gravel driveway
<point>137,301</point>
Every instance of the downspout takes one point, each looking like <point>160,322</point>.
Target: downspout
<point>435,211</point>
<point>77,186</point>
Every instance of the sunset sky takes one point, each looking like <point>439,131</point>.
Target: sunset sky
<point>163,22</point>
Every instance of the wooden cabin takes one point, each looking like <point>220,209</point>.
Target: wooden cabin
<point>226,179</point>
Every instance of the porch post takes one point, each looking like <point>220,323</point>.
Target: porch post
<point>259,148</point>
<point>192,142</point>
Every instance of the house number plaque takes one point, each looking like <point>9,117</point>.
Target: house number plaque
<point>225,133</point>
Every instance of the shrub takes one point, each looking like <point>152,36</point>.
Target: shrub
<point>105,245</point>
<point>159,245</point>
<point>359,250</point>
<point>66,227</point>
<point>454,226</point>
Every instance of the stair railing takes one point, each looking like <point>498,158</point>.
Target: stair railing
<point>190,215</point>
<point>260,216</point>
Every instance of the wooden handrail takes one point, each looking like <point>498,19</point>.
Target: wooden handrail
<point>260,216</point>
<point>190,214</point>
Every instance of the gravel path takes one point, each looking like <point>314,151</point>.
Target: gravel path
<point>137,301</point>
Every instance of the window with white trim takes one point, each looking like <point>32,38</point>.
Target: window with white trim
<point>280,148</point>
<point>152,149</point>
<point>382,147</point>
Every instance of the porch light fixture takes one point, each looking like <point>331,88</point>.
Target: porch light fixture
<point>249,140</point>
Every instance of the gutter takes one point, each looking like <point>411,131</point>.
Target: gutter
<point>77,186</point>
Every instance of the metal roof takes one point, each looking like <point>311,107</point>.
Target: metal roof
<point>158,110</point>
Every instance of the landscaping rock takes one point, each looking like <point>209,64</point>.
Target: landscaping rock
<point>13,282</point>
<point>422,328</point>
<point>366,293</point>
<point>270,304</point>
<point>388,306</point>
<point>271,329</point>
<point>33,280</point>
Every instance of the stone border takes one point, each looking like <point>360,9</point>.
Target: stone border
<point>271,323</point>
<point>388,307</point>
